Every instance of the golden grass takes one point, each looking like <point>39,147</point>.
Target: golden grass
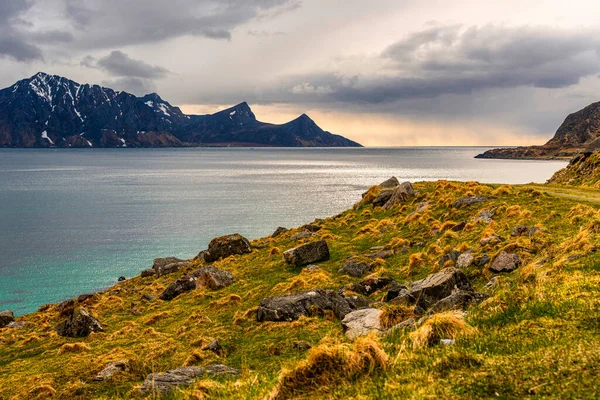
<point>446,325</point>
<point>73,348</point>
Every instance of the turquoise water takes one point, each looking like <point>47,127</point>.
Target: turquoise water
<point>73,221</point>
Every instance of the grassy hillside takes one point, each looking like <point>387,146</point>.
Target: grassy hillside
<point>536,335</point>
<point>583,171</point>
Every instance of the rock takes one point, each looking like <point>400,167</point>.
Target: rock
<point>452,256</point>
<point>485,216</point>
<point>447,342</point>
<point>184,284</point>
<point>401,194</point>
<point>307,253</point>
<point>395,290</point>
<point>86,296</point>
<point>483,260</point>
<point>505,262</point>
<point>370,285</point>
<point>171,268</point>
<point>162,262</point>
<point>390,183</point>
<point>381,254</point>
<point>214,346</point>
<point>356,267</point>
<point>421,207</point>
<point>279,231</point>
<point>6,317</point>
<point>290,307</point>
<point>111,369</point>
<point>468,201</point>
<point>16,325</point>
<point>437,286</point>
<point>491,283</point>
<point>520,230</point>
<point>311,268</point>
<point>362,322</point>
<point>121,279</point>
<point>459,226</point>
<point>79,324</point>
<point>458,300</point>
<point>148,297</point>
<point>226,246</point>
<point>409,324</point>
<point>491,240</point>
<point>383,197</point>
<point>310,227</point>
<point>212,277</point>
<point>301,345</point>
<point>302,235</point>
<point>148,272</point>
<point>164,382</point>
<point>377,248</point>
<point>465,260</point>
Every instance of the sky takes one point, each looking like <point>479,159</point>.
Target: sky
<point>381,72</point>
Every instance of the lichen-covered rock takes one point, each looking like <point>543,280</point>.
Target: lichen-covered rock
<point>79,324</point>
<point>401,194</point>
<point>279,231</point>
<point>213,278</point>
<point>356,267</point>
<point>465,260</point>
<point>291,307</point>
<point>171,268</point>
<point>6,317</point>
<point>111,369</point>
<point>160,263</point>
<point>397,290</point>
<point>458,300</point>
<point>362,322</point>
<point>390,183</point>
<point>491,240</point>
<point>184,284</point>
<point>452,257</point>
<point>467,201</point>
<point>307,254</point>
<point>370,285</point>
<point>383,197</point>
<point>437,286</point>
<point>164,382</point>
<point>505,262</point>
<point>225,246</point>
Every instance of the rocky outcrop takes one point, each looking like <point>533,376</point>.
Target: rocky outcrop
<point>6,317</point>
<point>226,246</point>
<point>362,322</point>
<point>505,262</point>
<point>212,277</point>
<point>182,285</point>
<point>169,265</point>
<point>583,170</point>
<point>307,254</point>
<point>165,382</point>
<point>78,324</point>
<point>437,286</point>
<point>400,194</point>
<point>292,306</point>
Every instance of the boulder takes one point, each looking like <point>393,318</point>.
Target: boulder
<point>467,201</point>
<point>485,216</point>
<point>16,325</point>
<point>465,260</point>
<point>505,262</point>
<point>458,300</point>
<point>491,240</point>
<point>290,307</point>
<point>164,382</point>
<point>451,256</point>
<point>520,230</point>
<point>148,272</point>
<point>437,286</point>
<point>390,183</point>
<point>213,278</point>
<point>121,279</point>
<point>226,246</point>
<point>459,226</point>
<point>162,262</point>
<point>483,260</point>
<point>370,285</point>
<point>362,322</point>
<point>310,227</point>
<point>356,267</point>
<point>395,290</point>
<point>79,324</point>
<point>401,194</point>
<point>6,317</point>
<point>111,369</point>
<point>383,197</point>
<point>307,254</point>
<point>171,268</point>
<point>214,346</point>
<point>302,235</point>
<point>381,254</point>
<point>279,231</point>
<point>184,284</point>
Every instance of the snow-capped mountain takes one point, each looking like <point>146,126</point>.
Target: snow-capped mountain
<point>52,111</point>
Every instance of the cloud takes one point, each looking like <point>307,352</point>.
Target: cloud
<point>137,86</point>
<point>307,88</point>
<point>12,43</point>
<point>461,60</point>
<point>118,63</point>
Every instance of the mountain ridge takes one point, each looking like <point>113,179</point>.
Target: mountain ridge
<point>52,111</point>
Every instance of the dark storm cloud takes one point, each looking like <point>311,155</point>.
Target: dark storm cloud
<point>137,86</point>
<point>455,60</point>
<point>118,63</point>
<point>12,43</point>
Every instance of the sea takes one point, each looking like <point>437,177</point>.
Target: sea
<point>73,221</point>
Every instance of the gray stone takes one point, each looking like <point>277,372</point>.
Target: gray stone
<point>370,285</point>
<point>79,324</point>
<point>482,261</point>
<point>437,286</point>
<point>214,346</point>
<point>397,290</point>
<point>383,197</point>
<point>148,272</point>
<point>310,227</point>
<point>381,254</point>
<point>458,300</point>
<point>505,262</point>
<point>279,231</point>
<point>6,317</point>
<point>171,268</point>
<point>465,260</point>
<point>362,322</point>
<point>184,284</point>
<point>401,194</point>
<point>356,267</point>
<point>213,278</point>
<point>390,183</point>
<point>302,235</point>
<point>16,325</point>
<point>491,240</point>
<point>485,216</point>
<point>225,246</point>
<point>164,382</point>
<point>409,324</point>
<point>421,207</point>
<point>452,256</point>
<point>159,263</point>
<point>468,201</point>
<point>307,254</point>
<point>311,268</point>
<point>111,369</point>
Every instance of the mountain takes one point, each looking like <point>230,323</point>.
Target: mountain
<point>579,132</point>
<point>52,111</point>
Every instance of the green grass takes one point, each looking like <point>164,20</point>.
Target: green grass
<point>536,336</point>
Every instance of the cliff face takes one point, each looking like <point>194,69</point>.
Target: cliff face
<point>579,132</point>
<point>52,111</point>
<point>583,170</point>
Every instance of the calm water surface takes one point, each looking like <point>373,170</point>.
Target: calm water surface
<point>73,221</point>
